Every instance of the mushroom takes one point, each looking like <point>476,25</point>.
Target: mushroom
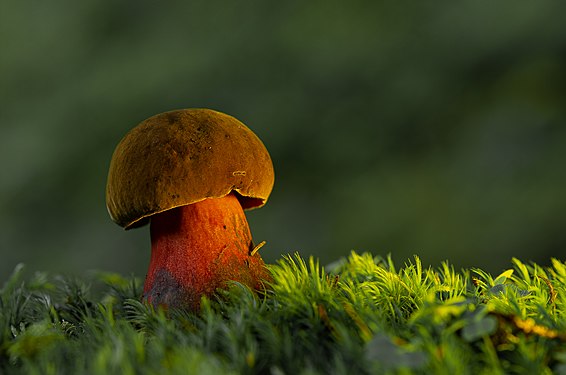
<point>191,173</point>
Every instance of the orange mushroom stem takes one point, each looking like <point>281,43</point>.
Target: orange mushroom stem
<point>198,248</point>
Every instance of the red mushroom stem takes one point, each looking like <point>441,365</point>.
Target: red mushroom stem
<point>198,248</point>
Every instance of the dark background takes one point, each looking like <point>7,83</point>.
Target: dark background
<point>404,127</point>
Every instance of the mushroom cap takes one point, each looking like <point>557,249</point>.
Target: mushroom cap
<point>182,157</point>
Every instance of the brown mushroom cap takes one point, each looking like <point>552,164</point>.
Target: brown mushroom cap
<point>181,157</point>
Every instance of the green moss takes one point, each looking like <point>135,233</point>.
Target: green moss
<point>359,315</point>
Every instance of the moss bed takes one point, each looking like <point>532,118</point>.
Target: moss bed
<point>359,315</point>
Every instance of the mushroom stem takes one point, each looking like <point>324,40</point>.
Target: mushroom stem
<point>198,248</point>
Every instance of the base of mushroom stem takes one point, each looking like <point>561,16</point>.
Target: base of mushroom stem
<point>199,248</point>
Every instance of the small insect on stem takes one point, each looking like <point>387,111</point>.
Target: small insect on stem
<point>257,247</point>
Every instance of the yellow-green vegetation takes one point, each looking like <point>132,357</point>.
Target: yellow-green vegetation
<point>360,315</point>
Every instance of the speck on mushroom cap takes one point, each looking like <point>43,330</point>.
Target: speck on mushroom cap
<point>182,157</point>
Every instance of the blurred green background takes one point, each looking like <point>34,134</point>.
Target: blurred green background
<point>403,127</point>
